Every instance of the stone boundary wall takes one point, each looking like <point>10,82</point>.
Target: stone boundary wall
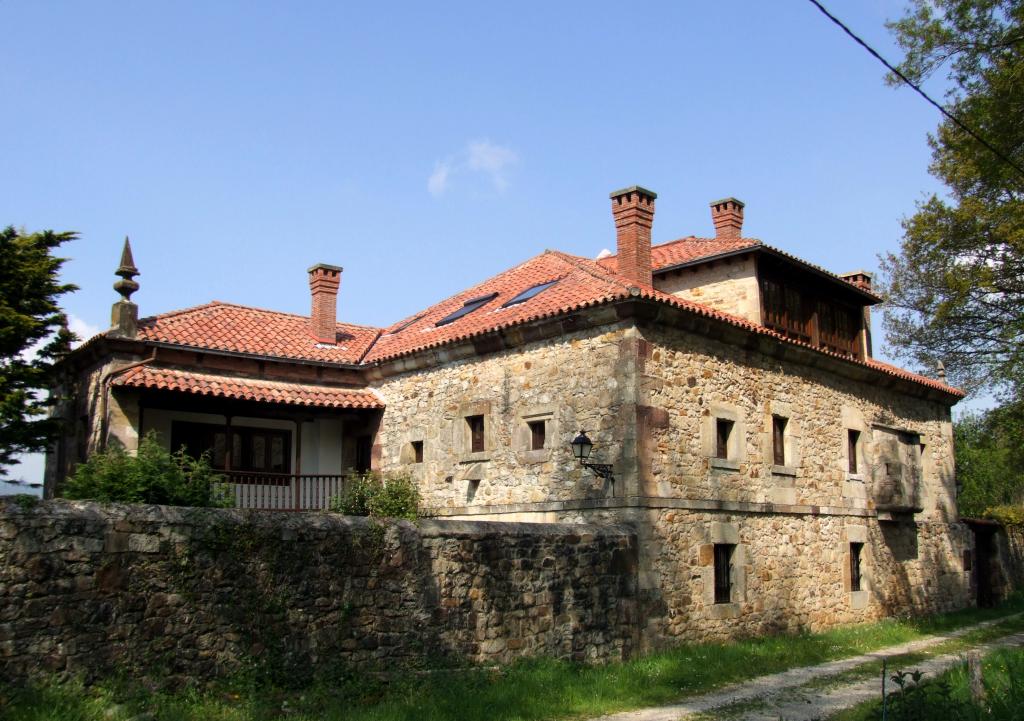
<point>1008,569</point>
<point>88,588</point>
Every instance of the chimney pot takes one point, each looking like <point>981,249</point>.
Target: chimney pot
<point>860,278</point>
<point>727,215</point>
<point>633,211</point>
<point>324,281</point>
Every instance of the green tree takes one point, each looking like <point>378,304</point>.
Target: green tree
<point>152,475</point>
<point>990,459</point>
<point>33,336</point>
<point>955,289</point>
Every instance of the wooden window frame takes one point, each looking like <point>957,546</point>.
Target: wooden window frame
<point>538,434</point>
<point>779,424</point>
<point>852,448</point>
<point>477,428</point>
<point>241,444</point>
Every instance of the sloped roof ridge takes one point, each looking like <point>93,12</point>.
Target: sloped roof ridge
<point>594,269</point>
<point>226,304</point>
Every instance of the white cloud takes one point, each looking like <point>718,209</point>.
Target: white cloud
<point>83,329</point>
<point>438,181</point>
<point>479,156</point>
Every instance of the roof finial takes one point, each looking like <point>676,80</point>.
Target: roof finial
<point>940,370</point>
<point>124,316</point>
<point>127,270</point>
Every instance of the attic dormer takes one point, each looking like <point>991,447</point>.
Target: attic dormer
<point>745,278</point>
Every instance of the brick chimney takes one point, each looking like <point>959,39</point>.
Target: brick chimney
<point>633,211</point>
<point>860,278</point>
<point>727,215</point>
<point>324,281</point>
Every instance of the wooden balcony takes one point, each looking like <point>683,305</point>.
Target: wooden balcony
<point>283,491</point>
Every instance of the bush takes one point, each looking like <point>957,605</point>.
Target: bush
<point>371,495</point>
<point>151,476</point>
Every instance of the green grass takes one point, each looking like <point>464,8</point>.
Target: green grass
<point>948,696</point>
<point>532,689</point>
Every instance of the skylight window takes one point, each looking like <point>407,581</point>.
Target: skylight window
<point>468,307</point>
<point>405,325</point>
<point>529,293</point>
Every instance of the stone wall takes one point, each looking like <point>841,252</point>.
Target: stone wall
<point>697,380</point>
<point>729,285</point>
<point>580,380</point>
<point>88,588</point>
<point>792,572</point>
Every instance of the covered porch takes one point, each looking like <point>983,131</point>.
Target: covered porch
<point>280,445</point>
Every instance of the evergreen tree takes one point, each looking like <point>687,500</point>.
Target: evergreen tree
<point>33,336</point>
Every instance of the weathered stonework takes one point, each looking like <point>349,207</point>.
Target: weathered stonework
<point>89,589</point>
<point>658,390</point>
<point>574,382</point>
<point>729,285</point>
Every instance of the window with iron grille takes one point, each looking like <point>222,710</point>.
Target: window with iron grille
<point>723,572</point>
<point>855,576</point>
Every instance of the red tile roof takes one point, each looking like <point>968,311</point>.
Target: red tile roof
<point>687,250</point>
<point>581,283</point>
<point>692,249</point>
<point>249,389</point>
<point>253,331</point>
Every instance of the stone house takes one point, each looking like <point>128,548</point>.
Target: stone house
<point>776,474</point>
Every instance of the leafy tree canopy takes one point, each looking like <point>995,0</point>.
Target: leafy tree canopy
<point>990,459</point>
<point>955,290</point>
<point>33,335</point>
<point>153,475</point>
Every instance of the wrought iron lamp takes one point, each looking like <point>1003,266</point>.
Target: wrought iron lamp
<point>581,448</point>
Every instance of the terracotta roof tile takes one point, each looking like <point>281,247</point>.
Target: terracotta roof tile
<point>692,249</point>
<point>249,389</point>
<point>240,329</point>
<point>686,250</point>
<point>581,283</point>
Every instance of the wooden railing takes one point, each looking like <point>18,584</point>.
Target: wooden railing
<point>283,491</point>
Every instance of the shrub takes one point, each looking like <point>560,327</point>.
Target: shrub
<point>153,475</point>
<point>371,495</point>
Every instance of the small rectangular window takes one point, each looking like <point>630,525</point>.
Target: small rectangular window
<point>855,549</point>
<point>852,441</point>
<point>417,451</point>
<point>779,439</point>
<point>476,433</point>
<point>723,572</point>
<point>723,429</point>
<point>537,435</point>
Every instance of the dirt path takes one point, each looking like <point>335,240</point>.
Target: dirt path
<point>803,694</point>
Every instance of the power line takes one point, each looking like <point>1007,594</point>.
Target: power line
<point>957,121</point>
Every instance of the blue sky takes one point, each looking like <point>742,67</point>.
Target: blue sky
<point>425,146</point>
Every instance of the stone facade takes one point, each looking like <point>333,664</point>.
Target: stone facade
<point>728,285</point>
<point>774,475</point>
<point>650,395</point>
<point>90,589</point>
